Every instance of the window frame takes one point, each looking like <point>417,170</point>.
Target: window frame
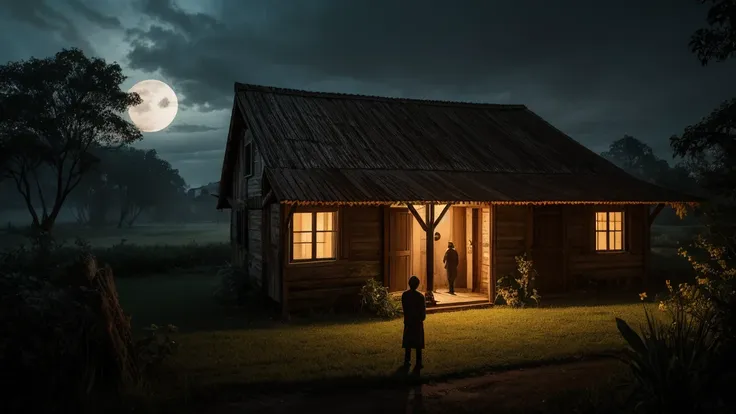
<point>314,232</point>
<point>248,160</point>
<point>608,231</point>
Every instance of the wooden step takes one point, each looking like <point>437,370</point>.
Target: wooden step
<point>453,307</point>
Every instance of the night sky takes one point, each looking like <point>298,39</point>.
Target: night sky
<point>597,70</point>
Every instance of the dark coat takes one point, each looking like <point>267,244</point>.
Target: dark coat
<point>451,261</point>
<point>415,312</point>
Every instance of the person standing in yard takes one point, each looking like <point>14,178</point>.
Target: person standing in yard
<point>415,312</point>
<point>451,261</point>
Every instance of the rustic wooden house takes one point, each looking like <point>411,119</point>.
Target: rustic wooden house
<point>328,190</point>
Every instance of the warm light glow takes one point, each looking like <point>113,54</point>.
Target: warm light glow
<point>159,106</point>
<point>609,231</point>
<point>314,236</point>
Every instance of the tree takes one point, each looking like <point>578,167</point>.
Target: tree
<point>710,145</point>
<point>54,111</point>
<point>718,41</point>
<point>126,178</point>
<point>635,157</point>
<point>145,182</point>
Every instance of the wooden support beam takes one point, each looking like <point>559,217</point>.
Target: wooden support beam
<point>653,215</point>
<point>416,215</point>
<point>429,296</point>
<point>442,214</point>
<point>284,242</point>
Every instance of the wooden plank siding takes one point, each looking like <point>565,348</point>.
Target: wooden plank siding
<point>336,283</point>
<point>560,240</point>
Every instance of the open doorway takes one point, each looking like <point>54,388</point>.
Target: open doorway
<point>462,225</point>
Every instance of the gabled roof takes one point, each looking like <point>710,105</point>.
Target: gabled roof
<point>327,147</point>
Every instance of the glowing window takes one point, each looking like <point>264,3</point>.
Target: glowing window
<point>314,236</point>
<point>609,231</point>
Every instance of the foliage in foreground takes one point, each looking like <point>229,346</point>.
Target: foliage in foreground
<point>64,335</point>
<point>682,362</point>
<point>376,299</point>
<point>519,291</point>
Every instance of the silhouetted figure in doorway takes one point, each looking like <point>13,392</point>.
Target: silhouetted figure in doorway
<point>415,312</point>
<point>451,260</point>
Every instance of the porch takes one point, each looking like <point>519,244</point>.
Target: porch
<point>416,238</point>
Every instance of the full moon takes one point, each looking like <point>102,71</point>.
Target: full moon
<point>158,108</point>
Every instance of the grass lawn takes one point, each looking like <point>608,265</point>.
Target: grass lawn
<point>219,351</point>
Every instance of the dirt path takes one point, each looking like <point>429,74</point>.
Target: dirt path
<point>498,392</point>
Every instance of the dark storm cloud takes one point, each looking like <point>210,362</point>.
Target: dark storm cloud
<point>44,17</point>
<point>599,69</point>
<point>94,16</point>
<point>163,103</point>
<point>191,128</point>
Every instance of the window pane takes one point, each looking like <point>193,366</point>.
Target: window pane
<point>601,216</point>
<point>302,251</point>
<point>618,241</point>
<point>326,245</point>
<point>302,222</point>
<point>303,237</point>
<point>611,241</point>
<point>325,221</point>
<point>617,225</point>
<point>601,225</point>
<point>600,240</point>
<point>616,216</point>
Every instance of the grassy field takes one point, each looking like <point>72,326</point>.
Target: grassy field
<point>145,235</point>
<point>217,349</point>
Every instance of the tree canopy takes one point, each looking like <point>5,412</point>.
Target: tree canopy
<point>55,110</point>
<point>716,42</point>
<point>128,179</point>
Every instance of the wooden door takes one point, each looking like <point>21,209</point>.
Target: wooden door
<point>399,248</point>
<point>460,242</point>
<point>547,251</point>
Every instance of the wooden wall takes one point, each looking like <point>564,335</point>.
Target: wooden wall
<point>585,262</point>
<point>511,237</point>
<point>560,240</point>
<point>237,212</point>
<point>338,282</point>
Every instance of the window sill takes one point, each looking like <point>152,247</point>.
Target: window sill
<point>320,262</point>
<point>611,252</point>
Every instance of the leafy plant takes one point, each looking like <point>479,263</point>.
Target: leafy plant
<point>519,292</point>
<point>674,363</point>
<point>156,346</point>
<point>377,299</point>
<point>234,285</point>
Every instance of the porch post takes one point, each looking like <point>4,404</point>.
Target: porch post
<point>429,221</point>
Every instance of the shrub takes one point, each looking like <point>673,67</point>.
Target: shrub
<point>518,292</point>
<point>234,285</point>
<point>134,260</point>
<point>683,363</point>
<point>674,364</point>
<point>377,299</point>
<point>128,260</point>
<point>63,334</point>
<point>156,346</point>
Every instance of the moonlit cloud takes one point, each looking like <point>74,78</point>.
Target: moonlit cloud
<point>596,70</point>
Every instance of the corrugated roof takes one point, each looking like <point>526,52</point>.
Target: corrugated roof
<point>350,148</point>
